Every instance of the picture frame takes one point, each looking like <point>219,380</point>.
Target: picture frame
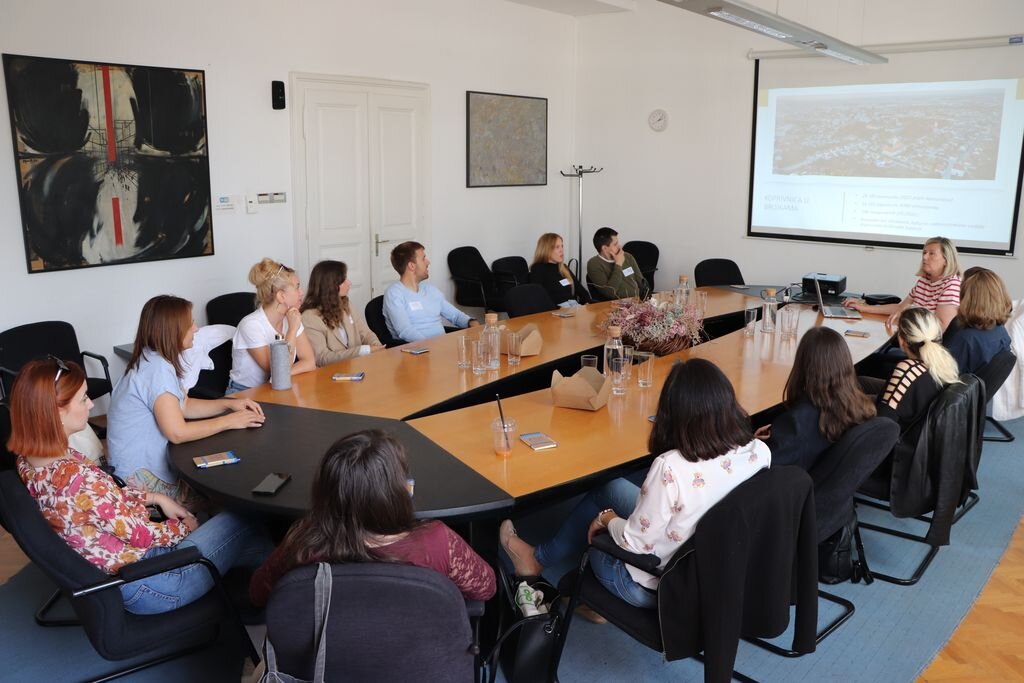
<point>506,140</point>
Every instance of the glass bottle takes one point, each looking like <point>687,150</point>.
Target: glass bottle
<point>612,347</point>
<point>491,336</point>
<point>682,293</point>
<point>769,309</point>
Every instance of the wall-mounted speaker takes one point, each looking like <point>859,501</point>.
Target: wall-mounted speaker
<point>277,94</point>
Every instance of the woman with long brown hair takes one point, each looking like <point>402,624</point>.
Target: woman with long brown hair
<point>822,398</point>
<point>108,525</point>
<point>362,511</point>
<point>334,331</point>
<point>550,272</point>
<point>150,408</point>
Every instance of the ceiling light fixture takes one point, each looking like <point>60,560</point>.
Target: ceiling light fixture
<point>752,18</point>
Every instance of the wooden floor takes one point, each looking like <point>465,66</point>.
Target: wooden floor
<point>987,647</point>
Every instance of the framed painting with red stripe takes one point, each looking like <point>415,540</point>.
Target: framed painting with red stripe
<point>112,162</point>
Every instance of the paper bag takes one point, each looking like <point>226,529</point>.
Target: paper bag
<point>588,389</point>
<point>532,341</point>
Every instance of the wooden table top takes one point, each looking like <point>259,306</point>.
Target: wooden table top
<point>399,384</point>
<point>592,442</point>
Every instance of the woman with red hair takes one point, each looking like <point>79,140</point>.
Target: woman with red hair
<point>108,525</point>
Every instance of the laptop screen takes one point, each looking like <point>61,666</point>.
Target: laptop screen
<point>817,290</point>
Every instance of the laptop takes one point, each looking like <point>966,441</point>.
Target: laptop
<point>833,311</point>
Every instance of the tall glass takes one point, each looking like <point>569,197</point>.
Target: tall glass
<point>749,322</point>
<point>588,361</point>
<point>789,321</point>
<point>515,348</point>
<point>644,368</point>
<point>701,302</point>
<point>627,353</point>
<point>465,351</point>
<point>618,372</point>
<point>480,357</point>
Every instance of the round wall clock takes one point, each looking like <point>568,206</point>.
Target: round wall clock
<point>658,120</point>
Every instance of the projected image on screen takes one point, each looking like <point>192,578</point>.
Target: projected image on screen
<point>887,163</point>
<point>953,135</point>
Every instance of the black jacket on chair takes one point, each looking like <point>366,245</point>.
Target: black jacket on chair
<point>936,473</point>
<point>753,555</point>
<point>548,276</point>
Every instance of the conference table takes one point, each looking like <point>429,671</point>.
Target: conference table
<point>458,475</point>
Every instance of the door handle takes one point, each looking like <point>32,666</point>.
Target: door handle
<point>377,241</point>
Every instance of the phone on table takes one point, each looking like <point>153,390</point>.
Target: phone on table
<point>857,333</point>
<point>348,376</point>
<point>563,314</point>
<point>416,350</point>
<point>271,484</point>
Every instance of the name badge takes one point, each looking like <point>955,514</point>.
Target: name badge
<point>415,305</point>
<point>628,271</point>
<point>564,282</point>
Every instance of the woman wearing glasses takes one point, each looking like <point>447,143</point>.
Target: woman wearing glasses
<point>150,408</point>
<point>108,525</point>
<point>279,295</point>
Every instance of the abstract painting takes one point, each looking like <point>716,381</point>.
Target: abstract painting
<point>112,162</point>
<point>506,140</point>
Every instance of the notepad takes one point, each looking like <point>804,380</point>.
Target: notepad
<point>538,441</point>
<point>216,460</point>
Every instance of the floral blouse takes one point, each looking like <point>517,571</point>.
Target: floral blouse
<point>675,495</point>
<point>105,524</point>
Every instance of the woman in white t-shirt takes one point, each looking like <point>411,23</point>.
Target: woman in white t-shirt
<point>706,449</point>
<point>279,294</point>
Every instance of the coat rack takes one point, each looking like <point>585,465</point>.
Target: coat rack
<point>579,171</point>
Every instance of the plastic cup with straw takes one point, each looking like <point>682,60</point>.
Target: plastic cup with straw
<point>501,428</point>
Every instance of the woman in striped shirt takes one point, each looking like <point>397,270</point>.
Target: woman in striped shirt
<point>937,288</point>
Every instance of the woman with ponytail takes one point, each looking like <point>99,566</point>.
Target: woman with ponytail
<point>918,378</point>
<point>279,296</point>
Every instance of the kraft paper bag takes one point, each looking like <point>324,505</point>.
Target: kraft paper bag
<point>532,341</point>
<point>588,389</point>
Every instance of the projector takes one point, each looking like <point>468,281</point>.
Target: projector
<point>831,285</point>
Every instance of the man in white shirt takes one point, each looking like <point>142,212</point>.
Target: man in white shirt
<point>413,309</point>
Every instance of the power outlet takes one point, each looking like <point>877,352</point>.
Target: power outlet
<point>252,204</point>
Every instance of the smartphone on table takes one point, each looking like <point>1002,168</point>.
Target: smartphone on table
<point>271,484</point>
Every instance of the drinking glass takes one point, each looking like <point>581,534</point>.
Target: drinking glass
<point>515,348</point>
<point>790,321</point>
<point>618,375</point>
<point>749,322</point>
<point>702,304</point>
<point>588,361</point>
<point>479,357</point>
<point>627,353</point>
<point>504,434</point>
<point>465,351</point>
<point>644,368</point>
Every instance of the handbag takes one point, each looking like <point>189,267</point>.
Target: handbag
<point>526,646</point>
<point>322,607</point>
<point>835,555</point>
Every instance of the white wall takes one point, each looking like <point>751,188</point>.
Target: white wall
<point>452,45</point>
<point>687,188</point>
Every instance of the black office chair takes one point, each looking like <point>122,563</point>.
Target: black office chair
<point>717,271</point>
<point>994,375</point>
<point>387,622</point>
<point>751,557</point>
<point>226,309</point>
<point>374,313</point>
<point>528,299</point>
<point>8,460</point>
<point>21,344</point>
<point>96,598</point>
<point>599,293</point>
<point>474,283</point>
<point>938,474</point>
<point>229,309</point>
<point>509,272</point>
<point>646,255</point>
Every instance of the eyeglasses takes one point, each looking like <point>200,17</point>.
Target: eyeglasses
<point>61,367</point>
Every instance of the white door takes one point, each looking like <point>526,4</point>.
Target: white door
<point>361,169</point>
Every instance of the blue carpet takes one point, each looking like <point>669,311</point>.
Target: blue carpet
<point>894,634</point>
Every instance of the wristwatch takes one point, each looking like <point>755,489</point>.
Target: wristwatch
<point>601,514</point>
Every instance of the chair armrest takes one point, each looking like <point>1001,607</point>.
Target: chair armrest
<point>474,281</point>
<point>103,362</point>
<point>143,568</point>
<point>648,563</point>
<point>474,608</point>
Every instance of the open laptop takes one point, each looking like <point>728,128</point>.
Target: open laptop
<point>833,311</point>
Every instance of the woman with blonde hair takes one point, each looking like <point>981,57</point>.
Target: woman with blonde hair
<point>937,288</point>
<point>550,272</point>
<point>279,294</point>
<point>334,331</point>
<point>977,333</point>
<point>149,407</point>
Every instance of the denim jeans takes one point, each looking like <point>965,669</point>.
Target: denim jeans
<point>571,540</point>
<point>226,539</point>
<point>234,387</point>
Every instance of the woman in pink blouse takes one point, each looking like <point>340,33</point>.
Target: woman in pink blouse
<point>108,525</point>
<point>705,449</point>
<point>363,512</point>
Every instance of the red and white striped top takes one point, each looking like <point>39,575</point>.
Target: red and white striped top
<point>931,295</point>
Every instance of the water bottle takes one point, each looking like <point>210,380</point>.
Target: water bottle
<point>682,293</point>
<point>612,348</point>
<point>280,365</point>
<point>769,309</point>
<point>491,336</point>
